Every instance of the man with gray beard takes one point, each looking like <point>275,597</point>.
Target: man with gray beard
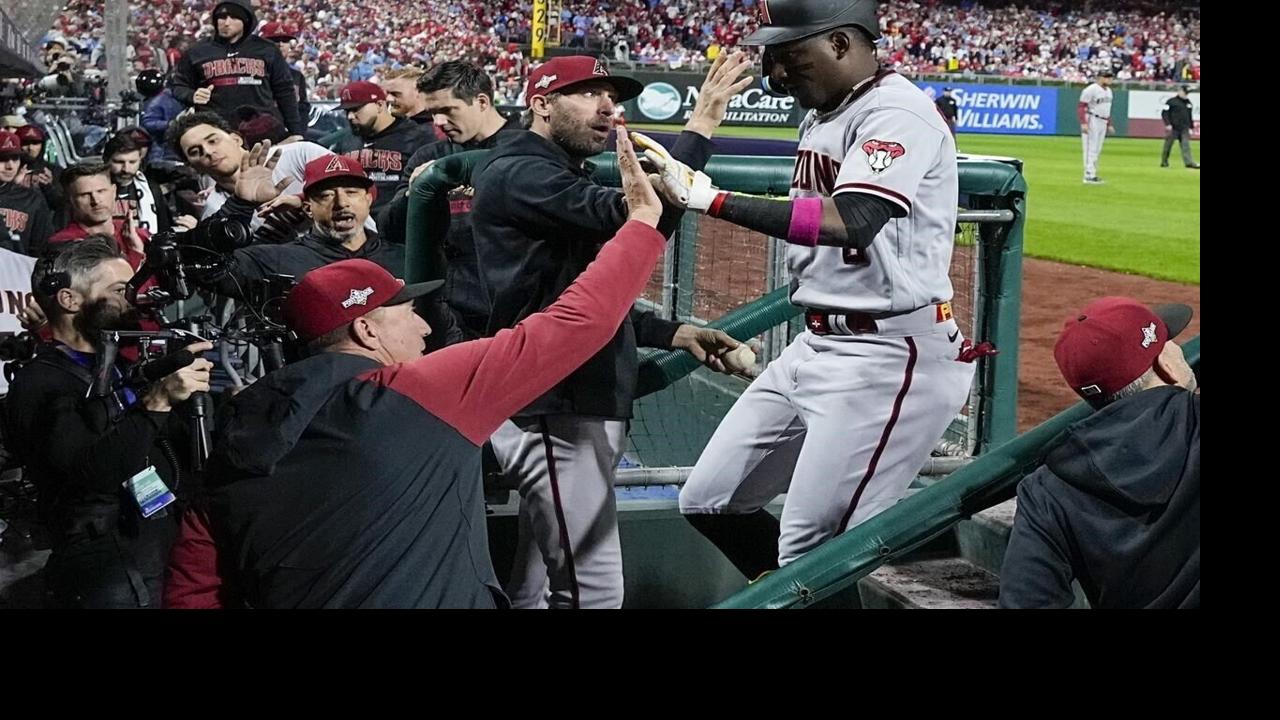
<point>338,195</point>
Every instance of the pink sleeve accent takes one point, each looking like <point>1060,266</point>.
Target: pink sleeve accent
<point>475,386</point>
<point>806,221</point>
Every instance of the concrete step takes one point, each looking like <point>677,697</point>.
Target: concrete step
<point>938,584</point>
<point>984,537</point>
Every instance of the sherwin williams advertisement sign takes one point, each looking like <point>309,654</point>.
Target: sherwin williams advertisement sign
<point>998,109</point>
<point>670,98</point>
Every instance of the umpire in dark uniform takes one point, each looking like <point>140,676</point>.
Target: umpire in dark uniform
<point>1177,126</point>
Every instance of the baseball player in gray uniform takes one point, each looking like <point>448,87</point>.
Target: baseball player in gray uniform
<point>1094,112</point>
<point>847,415</point>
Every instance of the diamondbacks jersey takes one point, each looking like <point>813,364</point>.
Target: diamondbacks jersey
<point>890,141</point>
<point>1098,99</point>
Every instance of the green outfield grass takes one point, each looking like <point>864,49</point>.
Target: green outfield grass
<point>1145,220</point>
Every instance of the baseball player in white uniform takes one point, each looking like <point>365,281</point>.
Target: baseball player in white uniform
<point>848,414</point>
<point>1094,112</point>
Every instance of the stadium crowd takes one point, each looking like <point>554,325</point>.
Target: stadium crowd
<point>339,41</point>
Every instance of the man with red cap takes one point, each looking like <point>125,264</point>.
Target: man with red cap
<point>353,478</point>
<point>1116,506</point>
<point>25,220</point>
<point>338,196</point>
<point>383,142</point>
<point>41,174</point>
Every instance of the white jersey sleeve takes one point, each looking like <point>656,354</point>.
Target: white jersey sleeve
<point>891,153</point>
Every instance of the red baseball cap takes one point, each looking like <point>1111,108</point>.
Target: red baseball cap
<point>278,31</point>
<point>1113,341</point>
<point>333,295</point>
<point>329,167</point>
<point>30,134</point>
<point>358,93</point>
<point>10,144</point>
<point>559,73</point>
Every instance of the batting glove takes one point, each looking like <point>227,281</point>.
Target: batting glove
<point>689,188</point>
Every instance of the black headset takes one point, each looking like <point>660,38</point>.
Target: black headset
<point>51,282</point>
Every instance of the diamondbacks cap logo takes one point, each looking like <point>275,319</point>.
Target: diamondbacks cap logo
<point>545,81</point>
<point>1148,335</point>
<point>358,297</point>
<point>336,165</point>
<point>599,69</point>
<point>1090,390</point>
<point>882,153</point>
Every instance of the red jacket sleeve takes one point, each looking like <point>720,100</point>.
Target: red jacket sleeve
<point>193,580</point>
<point>475,386</point>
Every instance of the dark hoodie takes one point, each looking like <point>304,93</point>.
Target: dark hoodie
<point>25,220</point>
<point>250,71</point>
<point>1115,506</point>
<point>385,156</point>
<point>339,482</point>
<point>538,221</point>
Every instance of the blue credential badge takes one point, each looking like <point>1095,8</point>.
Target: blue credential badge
<point>149,491</point>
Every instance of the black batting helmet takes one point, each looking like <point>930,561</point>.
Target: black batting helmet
<point>149,82</point>
<point>782,21</point>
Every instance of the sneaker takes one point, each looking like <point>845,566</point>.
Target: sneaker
<point>1093,181</point>
<point>1164,164</point>
<point>1193,166</point>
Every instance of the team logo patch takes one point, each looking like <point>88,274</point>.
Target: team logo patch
<point>358,297</point>
<point>336,165</point>
<point>546,80</point>
<point>599,69</point>
<point>882,153</point>
<point>1148,335</point>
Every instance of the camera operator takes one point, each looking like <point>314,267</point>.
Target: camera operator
<point>95,459</point>
<point>64,78</point>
